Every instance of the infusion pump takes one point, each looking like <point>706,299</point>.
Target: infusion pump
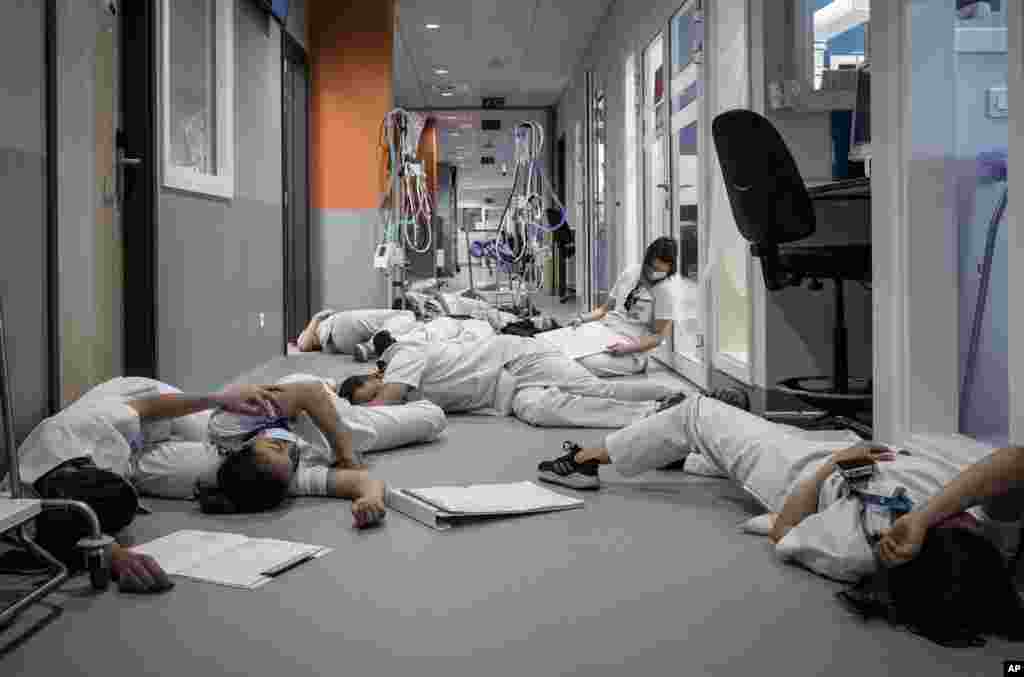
<point>387,255</point>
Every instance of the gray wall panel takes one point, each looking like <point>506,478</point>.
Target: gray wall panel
<point>23,284</point>
<point>343,274</point>
<point>22,192</point>
<point>221,263</point>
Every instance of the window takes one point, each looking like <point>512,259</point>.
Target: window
<point>833,40</point>
<point>197,100</point>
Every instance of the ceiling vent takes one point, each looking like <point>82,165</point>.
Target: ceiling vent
<point>490,125</point>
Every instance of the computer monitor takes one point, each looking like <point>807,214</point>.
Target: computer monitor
<point>860,125</point>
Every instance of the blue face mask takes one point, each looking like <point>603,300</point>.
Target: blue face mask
<point>280,434</point>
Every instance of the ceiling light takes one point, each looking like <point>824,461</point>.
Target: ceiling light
<point>441,71</point>
<point>447,93</point>
<point>433,27</point>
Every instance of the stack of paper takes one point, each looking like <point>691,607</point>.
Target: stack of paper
<point>441,507</point>
<point>234,560</point>
<point>587,339</point>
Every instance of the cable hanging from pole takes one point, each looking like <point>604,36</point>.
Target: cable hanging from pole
<point>405,209</point>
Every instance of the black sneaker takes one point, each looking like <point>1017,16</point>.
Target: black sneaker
<point>566,471</point>
<point>670,401</point>
<point>735,397</point>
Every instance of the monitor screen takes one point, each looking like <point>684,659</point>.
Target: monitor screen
<point>860,125</point>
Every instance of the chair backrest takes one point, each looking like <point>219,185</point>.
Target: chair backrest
<point>768,196</point>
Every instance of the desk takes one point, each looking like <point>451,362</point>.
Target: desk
<point>846,189</point>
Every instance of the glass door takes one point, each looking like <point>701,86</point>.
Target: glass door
<point>686,100</point>
<point>657,200</point>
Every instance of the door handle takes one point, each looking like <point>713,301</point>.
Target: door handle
<point>663,186</point>
<point>123,162</point>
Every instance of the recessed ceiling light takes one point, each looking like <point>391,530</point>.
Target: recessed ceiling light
<point>441,71</point>
<point>447,93</point>
<point>433,27</point>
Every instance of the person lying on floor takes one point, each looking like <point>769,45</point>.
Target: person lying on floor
<point>350,332</point>
<point>503,374</point>
<point>122,433</point>
<point>313,446</point>
<point>942,568</point>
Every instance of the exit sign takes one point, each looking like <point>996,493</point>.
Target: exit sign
<point>493,102</point>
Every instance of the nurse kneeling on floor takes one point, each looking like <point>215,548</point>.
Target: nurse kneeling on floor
<point>640,307</point>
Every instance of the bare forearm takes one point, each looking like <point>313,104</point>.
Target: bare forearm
<point>317,402</point>
<point>172,405</point>
<point>984,480</point>
<point>350,484</point>
<point>595,315</point>
<point>800,503</point>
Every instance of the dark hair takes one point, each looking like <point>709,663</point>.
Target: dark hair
<point>347,389</point>
<point>246,485</point>
<point>664,248</point>
<point>382,340</point>
<point>956,590</point>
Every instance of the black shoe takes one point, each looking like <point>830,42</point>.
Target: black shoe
<point>670,401</point>
<point>566,471</point>
<point>735,397</point>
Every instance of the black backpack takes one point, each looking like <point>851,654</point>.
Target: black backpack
<point>112,497</point>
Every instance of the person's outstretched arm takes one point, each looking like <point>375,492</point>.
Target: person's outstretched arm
<point>988,479</point>
<point>253,400</point>
<point>315,399</point>
<point>366,494</point>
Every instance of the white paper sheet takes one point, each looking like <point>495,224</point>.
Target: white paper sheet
<point>588,339</point>
<point>226,559</point>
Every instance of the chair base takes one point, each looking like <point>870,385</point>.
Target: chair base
<point>818,391</point>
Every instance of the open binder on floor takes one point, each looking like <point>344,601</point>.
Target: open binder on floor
<point>443,507</point>
<point>227,559</point>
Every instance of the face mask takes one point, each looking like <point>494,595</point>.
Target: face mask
<point>280,434</point>
<point>654,276</point>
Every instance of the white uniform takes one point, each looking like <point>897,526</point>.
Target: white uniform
<point>646,305</point>
<point>372,428</point>
<point>507,374</point>
<point>769,460</point>
<point>161,458</point>
<point>341,332</point>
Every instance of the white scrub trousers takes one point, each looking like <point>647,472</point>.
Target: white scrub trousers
<point>608,365</point>
<point>554,391</point>
<point>175,453</point>
<point>342,331</point>
<point>765,458</point>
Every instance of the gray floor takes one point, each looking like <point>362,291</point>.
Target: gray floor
<point>651,577</point>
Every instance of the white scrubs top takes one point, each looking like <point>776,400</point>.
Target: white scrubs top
<point>455,376</point>
<point>832,541</point>
<point>648,304</point>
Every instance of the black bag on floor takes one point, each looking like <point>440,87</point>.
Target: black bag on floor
<point>112,497</point>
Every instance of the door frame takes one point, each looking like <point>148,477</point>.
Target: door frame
<point>290,47</point>
<point>698,371</point>
<point>141,255</point>
<point>53,360</point>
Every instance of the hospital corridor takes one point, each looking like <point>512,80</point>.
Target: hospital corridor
<point>470,338</point>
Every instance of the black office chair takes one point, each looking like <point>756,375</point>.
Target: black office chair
<point>772,209</point>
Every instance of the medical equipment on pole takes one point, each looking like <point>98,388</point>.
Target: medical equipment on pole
<point>519,248</point>
<point>406,210</point>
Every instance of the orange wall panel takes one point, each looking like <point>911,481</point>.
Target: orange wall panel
<point>427,154</point>
<point>351,47</point>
